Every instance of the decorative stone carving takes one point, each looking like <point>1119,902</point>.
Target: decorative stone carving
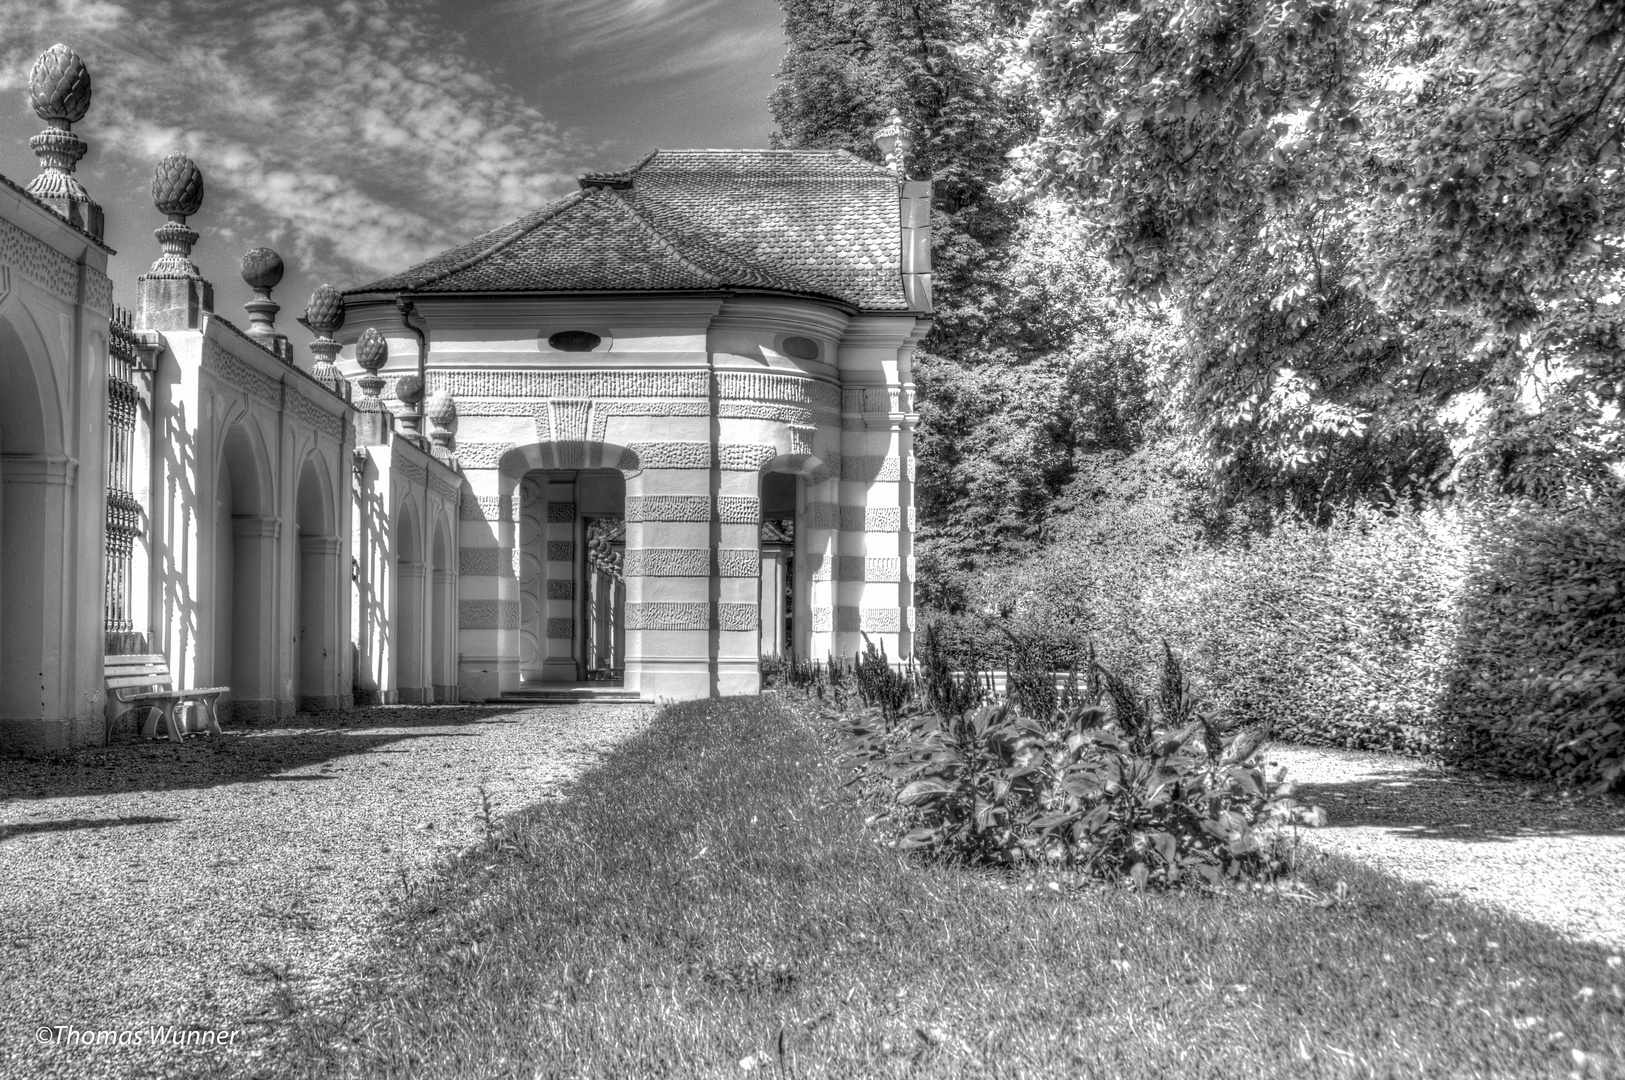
<point>232,371</point>
<point>323,315</point>
<point>668,508</point>
<point>668,562</point>
<point>97,291</point>
<point>308,412</point>
<point>42,264</point>
<point>668,616</point>
<point>672,455</point>
<point>745,457</point>
<point>488,614</point>
<point>882,569</point>
<point>561,590</point>
<point>409,392</point>
<point>476,455</point>
<point>739,562</point>
<point>894,143</point>
<point>561,551</point>
<point>870,518</point>
<point>561,512</point>
<point>821,515</point>
<point>547,385</point>
<point>822,620</point>
<point>561,629</point>
<point>738,616</point>
<point>262,270</point>
<point>790,389</point>
<point>177,191</point>
<point>737,510</point>
<point>870,469</point>
<point>483,562</point>
<point>566,420</point>
<point>411,472</point>
<point>441,411</point>
<point>59,90</point>
<point>880,620</point>
<point>492,508</point>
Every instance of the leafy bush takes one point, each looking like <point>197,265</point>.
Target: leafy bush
<point>1537,683</point>
<point>1115,785</point>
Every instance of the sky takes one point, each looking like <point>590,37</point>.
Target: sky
<point>357,137</point>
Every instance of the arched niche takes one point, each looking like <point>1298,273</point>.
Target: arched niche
<point>317,585</point>
<point>442,621</point>
<point>33,564</point>
<point>411,604</point>
<point>245,543</point>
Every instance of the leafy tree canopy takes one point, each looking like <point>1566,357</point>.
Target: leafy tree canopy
<point>1364,210</point>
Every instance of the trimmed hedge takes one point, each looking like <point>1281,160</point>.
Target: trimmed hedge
<point>1491,634</point>
<point>1537,680</point>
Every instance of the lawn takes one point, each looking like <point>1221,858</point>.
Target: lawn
<point>710,903</point>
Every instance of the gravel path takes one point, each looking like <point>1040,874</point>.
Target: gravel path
<point>1489,840</point>
<point>149,885</point>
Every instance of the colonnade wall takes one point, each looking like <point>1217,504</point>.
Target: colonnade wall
<point>247,557</point>
<point>55,301</point>
<point>404,601</point>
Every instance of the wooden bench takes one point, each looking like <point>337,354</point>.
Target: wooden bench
<point>127,673</point>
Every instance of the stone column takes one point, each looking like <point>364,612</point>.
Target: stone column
<point>410,639</point>
<point>252,665</point>
<point>38,621</point>
<point>669,583</point>
<point>772,603</point>
<point>319,643</point>
<point>739,537</point>
<point>560,660</point>
<point>443,651</point>
<point>531,562</point>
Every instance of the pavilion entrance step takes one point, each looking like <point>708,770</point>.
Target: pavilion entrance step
<point>570,693</point>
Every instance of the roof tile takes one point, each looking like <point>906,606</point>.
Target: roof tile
<point>822,223</point>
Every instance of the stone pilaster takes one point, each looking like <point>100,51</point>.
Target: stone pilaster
<point>563,559</point>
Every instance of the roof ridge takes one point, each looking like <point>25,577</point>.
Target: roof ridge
<point>657,234</point>
<point>519,230</point>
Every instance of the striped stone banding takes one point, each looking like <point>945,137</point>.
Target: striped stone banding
<point>668,616</point>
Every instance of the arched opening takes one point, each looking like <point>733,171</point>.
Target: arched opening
<point>781,502</point>
<point>573,537</point>
<point>29,589</point>
<point>317,589</point>
<point>245,536</point>
<point>443,647</point>
<point>409,607</point>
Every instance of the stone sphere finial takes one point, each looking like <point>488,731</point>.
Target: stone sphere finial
<point>325,312</point>
<point>409,391</point>
<point>177,186</point>
<point>262,269</point>
<point>59,86</point>
<point>371,350</point>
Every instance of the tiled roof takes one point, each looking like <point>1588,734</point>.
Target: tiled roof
<point>822,223</point>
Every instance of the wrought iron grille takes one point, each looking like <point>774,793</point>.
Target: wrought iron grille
<point>123,512</point>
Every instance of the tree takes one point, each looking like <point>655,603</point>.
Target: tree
<point>1364,210</point>
<point>1019,367</point>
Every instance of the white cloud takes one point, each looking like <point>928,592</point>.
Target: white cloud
<point>360,135</point>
